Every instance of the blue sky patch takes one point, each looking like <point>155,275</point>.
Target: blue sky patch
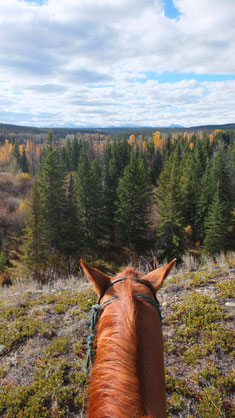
<point>173,77</point>
<point>170,9</point>
<point>41,2</point>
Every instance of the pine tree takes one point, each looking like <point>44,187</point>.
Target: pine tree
<point>156,164</point>
<point>24,164</point>
<point>35,239</point>
<point>65,158</point>
<point>53,196</point>
<point>110,194</point>
<point>90,204</point>
<point>124,152</point>
<point>206,147</point>
<point>68,152</point>
<point>219,216</point>
<point>120,150</point>
<point>133,204</point>
<point>82,190</point>
<point>203,203</point>
<point>97,200</point>
<point>187,189</point>
<point>221,180</point>
<point>216,226</point>
<point>170,230</point>
<point>72,243</point>
<point>75,152</point>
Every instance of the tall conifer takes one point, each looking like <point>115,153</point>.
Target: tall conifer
<point>219,216</point>
<point>90,206</point>
<point>216,227</point>
<point>53,196</point>
<point>133,204</point>
<point>221,180</point>
<point>75,152</point>
<point>24,164</point>
<point>203,203</point>
<point>35,238</point>
<point>72,242</point>
<point>170,230</point>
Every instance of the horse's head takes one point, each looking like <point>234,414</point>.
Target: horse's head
<point>105,285</point>
<point>128,372</point>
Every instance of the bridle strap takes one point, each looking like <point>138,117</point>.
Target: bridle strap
<point>96,309</point>
<point>121,279</point>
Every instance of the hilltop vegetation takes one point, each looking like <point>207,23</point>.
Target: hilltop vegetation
<point>43,334</point>
<point>94,197</point>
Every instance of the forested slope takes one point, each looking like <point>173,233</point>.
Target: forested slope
<point>95,197</point>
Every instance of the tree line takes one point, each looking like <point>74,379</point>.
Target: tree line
<point>166,194</point>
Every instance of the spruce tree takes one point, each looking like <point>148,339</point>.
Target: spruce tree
<point>24,164</point>
<point>206,147</point>
<point>110,194</point>
<point>35,237</point>
<point>65,158</point>
<point>120,150</point>
<point>187,189</point>
<point>203,203</point>
<point>190,187</point>
<point>124,152</point>
<point>219,216</point>
<point>156,164</point>
<point>72,243</point>
<point>53,196</point>
<point>97,213</point>
<point>75,152</point>
<point>216,226</point>
<point>82,190</point>
<point>133,204</point>
<point>90,205</point>
<point>171,240</point>
<point>221,180</point>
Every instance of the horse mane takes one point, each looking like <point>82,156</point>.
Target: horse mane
<point>114,389</point>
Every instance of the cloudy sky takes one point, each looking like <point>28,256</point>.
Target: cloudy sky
<point>117,62</point>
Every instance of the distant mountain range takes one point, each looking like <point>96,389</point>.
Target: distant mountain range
<point>112,130</point>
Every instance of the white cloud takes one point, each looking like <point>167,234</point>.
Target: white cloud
<point>79,61</point>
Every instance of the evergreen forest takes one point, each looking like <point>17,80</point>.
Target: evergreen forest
<point>109,199</point>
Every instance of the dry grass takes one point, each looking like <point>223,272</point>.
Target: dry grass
<point>44,329</point>
<point>19,292</point>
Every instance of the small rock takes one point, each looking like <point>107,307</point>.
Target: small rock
<point>230,304</point>
<point>2,349</point>
<point>171,332</point>
<point>13,359</point>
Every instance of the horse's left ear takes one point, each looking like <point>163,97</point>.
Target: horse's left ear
<point>156,277</point>
<point>99,280</point>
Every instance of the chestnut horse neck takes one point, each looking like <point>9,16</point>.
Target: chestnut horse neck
<point>128,374</point>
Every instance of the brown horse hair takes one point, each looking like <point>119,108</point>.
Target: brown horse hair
<point>114,387</point>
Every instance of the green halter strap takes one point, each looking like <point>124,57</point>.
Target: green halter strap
<point>94,319</point>
<point>97,307</point>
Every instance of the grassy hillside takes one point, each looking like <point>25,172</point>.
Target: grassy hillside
<point>43,344</point>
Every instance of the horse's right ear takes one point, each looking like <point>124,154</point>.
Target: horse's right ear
<point>156,277</point>
<point>99,280</point>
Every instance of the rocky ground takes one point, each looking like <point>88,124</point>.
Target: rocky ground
<point>43,344</point>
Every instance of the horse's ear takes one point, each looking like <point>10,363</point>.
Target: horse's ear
<point>99,280</point>
<point>156,277</point>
